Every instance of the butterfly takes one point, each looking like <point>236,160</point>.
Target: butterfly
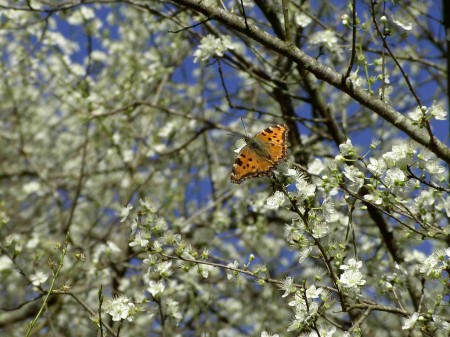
<point>261,154</point>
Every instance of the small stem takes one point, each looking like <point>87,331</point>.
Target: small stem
<point>61,263</point>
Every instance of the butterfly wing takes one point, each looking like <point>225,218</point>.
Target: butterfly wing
<point>269,148</point>
<point>249,165</point>
<point>274,139</point>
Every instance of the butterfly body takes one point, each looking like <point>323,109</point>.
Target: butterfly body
<point>261,154</point>
<point>258,147</point>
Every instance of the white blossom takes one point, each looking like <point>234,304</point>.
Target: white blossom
<point>410,321</point>
<point>163,269</point>
<point>328,210</point>
<point>5,263</point>
<point>304,189</point>
<point>160,225</point>
<point>352,264</point>
<point>326,38</point>
<point>394,176</point>
<point>120,308</point>
<point>374,197</point>
<point>320,229</point>
<point>125,212</point>
<point>266,334</point>
<point>402,22</point>
<point>357,81</point>
<point>80,15</point>
<point>324,331</point>
<point>302,19</point>
<point>355,176</point>
<point>172,309</point>
<point>425,155</point>
<point>211,46</point>
<point>417,114</point>
<point>304,253</point>
<point>437,111</point>
<point>276,200</point>
<point>431,266</point>
<point>298,301</point>
<point>400,156</point>
<point>167,129</point>
<point>38,278</point>
<point>231,273</point>
<point>385,93</point>
<point>352,277</point>
<point>140,239</point>
<point>148,205</point>
<point>288,286</point>
<point>433,168</point>
<point>313,292</point>
<point>156,288</point>
<point>346,148</point>
<point>377,166</point>
<point>302,312</point>
<point>316,167</point>
<point>31,187</point>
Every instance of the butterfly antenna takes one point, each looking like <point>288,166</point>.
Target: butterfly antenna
<point>243,124</point>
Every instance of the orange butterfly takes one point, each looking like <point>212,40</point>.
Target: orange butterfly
<point>261,154</point>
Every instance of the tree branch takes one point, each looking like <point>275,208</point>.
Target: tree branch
<point>322,72</point>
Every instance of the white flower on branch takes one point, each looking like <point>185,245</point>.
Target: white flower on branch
<point>172,309</point>
<point>320,229</point>
<point>266,334</point>
<point>431,266</point>
<point>211,46</point>
<point>156,288</point>
<point>355,176</point>
<point>377,166</point>
<point>402,22</point>
<point>374,197</point>
<point>275,201</point>
<point>437,111</point>
<point>148,205</point>
<point>394,177</point>
<point>346,148</point>
<point>304,189</point>
<point>326,38</point>
<point>313,292</point>
<point>38,278</point>
<point>140,239</point>
<point>351,277</point>
<point>232,274</point>
<point>163,269</point>
<point>288,286</point>
<point>121,308</point>
<point>401,155</point>
<point>125,212</point>
<point>417,114</point>
<point>410,321</point>
<point>302,19</point>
